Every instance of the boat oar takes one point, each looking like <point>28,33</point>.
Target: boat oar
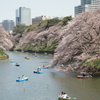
<point>71,97</point>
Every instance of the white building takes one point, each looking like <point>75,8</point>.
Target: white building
<point>38,19</point>
<point>87,5</point>
<point>23,16</point>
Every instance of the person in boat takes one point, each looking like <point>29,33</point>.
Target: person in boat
<point>38,69</point>
<point>84,75</point>
<point>43,66</point>
<point>63,95</point>
<point>23,76</point>
<point>18,78</point>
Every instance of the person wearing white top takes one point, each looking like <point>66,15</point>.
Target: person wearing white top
<point>65,96</point>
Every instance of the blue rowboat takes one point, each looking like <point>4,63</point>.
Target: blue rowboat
<point>20,80</point>
<point>12,61</point>
<point>38,72</point>
<point>45,68</point>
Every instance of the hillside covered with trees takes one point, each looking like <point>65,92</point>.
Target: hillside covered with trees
<point>74,42</point>
<point>5,43</point>
<point>40,37</point>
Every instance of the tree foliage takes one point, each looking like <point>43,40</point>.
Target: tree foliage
<point>48,23</point>
<point>66,20</point>
<point>31,27</point>
<point>1,53</point>
<point>19,29</point>
<point>42,25</point>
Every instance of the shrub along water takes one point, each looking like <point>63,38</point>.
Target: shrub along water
<point>3,55</point>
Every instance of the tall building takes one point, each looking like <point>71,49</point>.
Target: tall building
<point>8,25</point>
<point>87,5</point>
<point>23,16</point>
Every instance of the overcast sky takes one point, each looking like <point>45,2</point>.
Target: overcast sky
<point>54,8</point>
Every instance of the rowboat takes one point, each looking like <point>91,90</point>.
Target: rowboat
<point>64,98</point>
<point>84,76</point>
<point>17,64</point>
<point>37,72</point>
<point>27,58</point>
<point>45,68</point>
<point>12,61</point>
<point>23,79</point>
<point>67,98</point>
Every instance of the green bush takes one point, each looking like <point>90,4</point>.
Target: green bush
<point>95,63</point>
<point>66,20</point>
<point>2,53</point>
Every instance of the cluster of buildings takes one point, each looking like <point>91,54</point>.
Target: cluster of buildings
<point>87,5</point>
<point>23,17</point>
<point>23,14</point>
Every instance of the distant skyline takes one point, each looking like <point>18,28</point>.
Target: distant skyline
<point>52,8</point>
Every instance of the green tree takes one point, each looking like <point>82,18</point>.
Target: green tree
<point>19,29</point>
<point>48,23</point>
<point>66,20</point>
